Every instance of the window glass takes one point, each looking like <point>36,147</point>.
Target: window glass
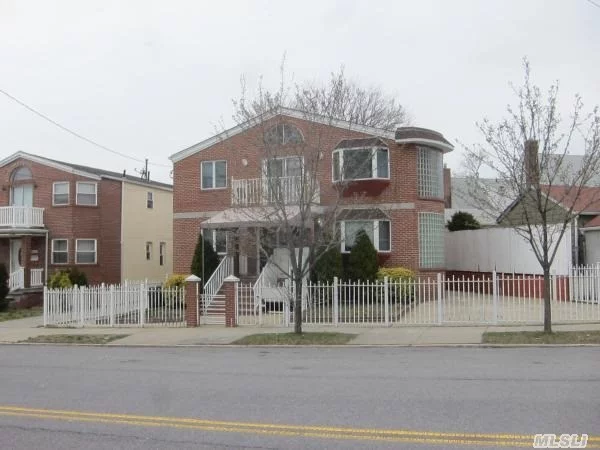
<point>382,163</point>
<point>86,193</point>
<point>220,174</point>
<point>357,164</point>
<point>384,235</point>
<point>431,240</point>
<point>430,173</point>
<point>85,251</point>
<point>21,173</point>
<point>207,175</point>
<point>61,193</point>
<point>60,251</point>
<point>352,228</point>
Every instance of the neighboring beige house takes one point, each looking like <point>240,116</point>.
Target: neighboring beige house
<point>147,231</point>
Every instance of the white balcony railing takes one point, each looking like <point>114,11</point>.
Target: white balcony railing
<point>37,277</point>
<point>21,217</point>
<point>267,191</point>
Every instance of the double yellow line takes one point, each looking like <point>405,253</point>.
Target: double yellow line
<point>280,430</point>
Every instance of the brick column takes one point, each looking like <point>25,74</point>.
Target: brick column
<point>192,289</point>
<point>230,287</point>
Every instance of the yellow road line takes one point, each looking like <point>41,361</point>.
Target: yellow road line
<point>370,434</point>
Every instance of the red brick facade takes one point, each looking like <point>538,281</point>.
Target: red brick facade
<point>244,154</point>
<point>71,222</point>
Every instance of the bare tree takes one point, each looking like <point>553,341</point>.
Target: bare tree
<point>528,155</point>
<point>288,198</point>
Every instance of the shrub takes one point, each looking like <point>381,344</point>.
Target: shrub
<point>463,221</point>
<point>3,288</point>
<point>362,261</point>
<point>205,260</point>
<point>175,281</point>
<point>402,287</point>
<point>328,266</point>
<point>67,278</point>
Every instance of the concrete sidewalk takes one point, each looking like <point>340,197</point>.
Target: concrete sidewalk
<point>19,330</point>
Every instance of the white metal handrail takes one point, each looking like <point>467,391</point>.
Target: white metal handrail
<point>214,283</point>
<point>16,279</point>
<point>21,216</point>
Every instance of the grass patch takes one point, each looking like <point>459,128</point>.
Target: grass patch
<point>296,339</point>
<point>75,338</point>
<point>539,337</point>
<point>13,314</point>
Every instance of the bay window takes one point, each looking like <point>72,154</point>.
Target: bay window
<point>361,164</point>
<point>378,231</point>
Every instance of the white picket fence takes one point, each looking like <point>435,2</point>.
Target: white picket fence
<point>489,300</point>
<point>131,304</point>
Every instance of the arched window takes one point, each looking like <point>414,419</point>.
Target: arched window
<point>282,134</point>
<point>21,174</point>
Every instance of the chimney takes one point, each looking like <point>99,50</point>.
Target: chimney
<point>447,187</point>
<point>532,165</point>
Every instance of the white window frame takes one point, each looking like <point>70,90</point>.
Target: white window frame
<point>214,175</point>
<point>374,171</point>
<point>162,253</point>
<point>375,234</point>
<point>95,193</point>
<point>77,251</point>
<point>150,200</point>
<point>54,193</point>
<point>53,251</point>
<point>213,239</point>
<point>148,248</point>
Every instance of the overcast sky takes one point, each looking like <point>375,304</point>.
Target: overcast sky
<point>149,78</point>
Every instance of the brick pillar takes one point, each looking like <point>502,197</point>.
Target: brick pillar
<point>192,289</point>
<point>230,286</point>
<point>26,260</point>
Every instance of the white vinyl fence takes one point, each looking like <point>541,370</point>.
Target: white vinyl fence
<point>495,299</point>
<point>136,304</point>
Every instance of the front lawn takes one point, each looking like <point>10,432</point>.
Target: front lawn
<point>75,338</point>
<point>539,337</point>
<point>296,339</point>
<point>13,314</point>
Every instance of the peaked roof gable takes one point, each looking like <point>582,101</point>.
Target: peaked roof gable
<point>288,112</point>
<point>84,171</point>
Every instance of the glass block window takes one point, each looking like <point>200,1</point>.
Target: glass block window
<point>431,173</point>
<point>431,240</point>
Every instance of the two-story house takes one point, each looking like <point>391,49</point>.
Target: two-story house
<point>393,187</point>
<point>111,226</point>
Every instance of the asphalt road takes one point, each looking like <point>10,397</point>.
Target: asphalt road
<point>294,398</point>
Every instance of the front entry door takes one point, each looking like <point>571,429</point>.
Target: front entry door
<point>15,255</point>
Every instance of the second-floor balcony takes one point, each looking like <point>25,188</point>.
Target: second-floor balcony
<point>21,217</point>
<point>272,191</point>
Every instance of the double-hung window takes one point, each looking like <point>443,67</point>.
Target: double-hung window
<point>150,200</point>
<point>60,251</point>
<point>87,193</point>
<point>214,174</point>
<point>162,249</point>
<point>85,251</point>
<point>60,193</point>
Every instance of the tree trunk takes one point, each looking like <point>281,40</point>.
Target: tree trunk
<point>547,303</point>
<point>298,306</point>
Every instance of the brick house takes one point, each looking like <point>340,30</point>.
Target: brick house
<point>394,187</point>
<point>56,214</point>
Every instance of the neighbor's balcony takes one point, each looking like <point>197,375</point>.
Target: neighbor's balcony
<point>21,217</point>
<point>270,191</point>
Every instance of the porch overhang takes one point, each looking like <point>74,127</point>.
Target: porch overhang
<point>19,232</point>
<point>253,217</point>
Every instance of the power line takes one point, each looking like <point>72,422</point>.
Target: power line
<point>74,133</point>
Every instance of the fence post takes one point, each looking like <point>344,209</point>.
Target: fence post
<point>142,303</point>
<point>495,296</point>
<point>46,307</point>
<point>386,296</point>
<point>79,301</point>
<point>336,302</point>
<point>112,305</point>
<point>440,298</point>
